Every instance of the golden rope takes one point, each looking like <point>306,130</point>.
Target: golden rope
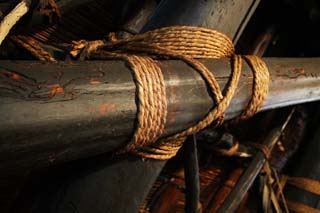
<point>187,44</point>
<point>152,101</point>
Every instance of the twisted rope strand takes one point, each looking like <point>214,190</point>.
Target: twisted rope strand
<point>152,108</point>
<point>33,47</point>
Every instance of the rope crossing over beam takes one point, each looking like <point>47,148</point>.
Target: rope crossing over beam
<point>188,44</point>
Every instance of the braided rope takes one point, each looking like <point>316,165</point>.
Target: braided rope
<point>187,44</point>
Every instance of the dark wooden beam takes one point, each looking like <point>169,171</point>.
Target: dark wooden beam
<point>54,113</point>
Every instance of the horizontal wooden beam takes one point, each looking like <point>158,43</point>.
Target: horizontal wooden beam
<point>59,112</point>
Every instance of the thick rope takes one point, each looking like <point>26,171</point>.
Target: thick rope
<point>187,44</point>
<point>152,101</point>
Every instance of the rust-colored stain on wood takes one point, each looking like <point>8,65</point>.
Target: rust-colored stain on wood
<point>55,89</point>
<point>299,72</point>
<point>15,76</point>
<point>11,75</point>
<point>104,108</point>
<point>94,82</point>
<point>292,74</point>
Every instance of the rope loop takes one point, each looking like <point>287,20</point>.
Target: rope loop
<point>184,43</point>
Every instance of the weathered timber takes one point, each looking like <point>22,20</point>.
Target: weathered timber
<point>225,190</point>
<point>101,177</point>
<point>245,182</point>
<point>132,19</point>
<point>59,112</point>
<point>307,165</point>
<point>191,174</point>
<point>229,17</point>
<point>66,5</point>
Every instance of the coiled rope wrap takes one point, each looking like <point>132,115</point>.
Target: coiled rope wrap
<point>187,44</point>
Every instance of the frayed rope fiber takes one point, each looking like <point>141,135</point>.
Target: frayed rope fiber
<point>188,44</point>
